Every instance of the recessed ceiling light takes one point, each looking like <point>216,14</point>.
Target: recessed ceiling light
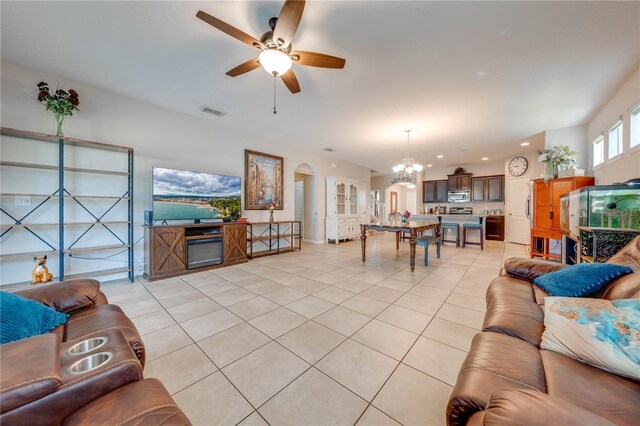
<point>485,158</point>
<point>440,156</point>
<point>329,149</point>
<point>524,144</point>
<point>429,165</point>
<point>481,73</point>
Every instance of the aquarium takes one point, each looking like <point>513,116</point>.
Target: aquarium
<point>184,194</point>
<point>607,206</point>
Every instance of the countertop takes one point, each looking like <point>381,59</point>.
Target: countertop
<point>456,215</point>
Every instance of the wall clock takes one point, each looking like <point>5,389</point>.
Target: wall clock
<point>518,165</point>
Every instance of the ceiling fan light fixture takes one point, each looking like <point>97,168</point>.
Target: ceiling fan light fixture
<point>275,62</point>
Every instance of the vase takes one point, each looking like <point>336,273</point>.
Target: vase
<point>59,119</point>
<point>551,171</point>
<point>270,217</point>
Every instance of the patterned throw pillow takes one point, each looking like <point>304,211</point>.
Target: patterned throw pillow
<point>602,333</point>
<point>21,318</point>
<point>583,279</point>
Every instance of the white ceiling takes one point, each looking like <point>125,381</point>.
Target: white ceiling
<point>474,76</point>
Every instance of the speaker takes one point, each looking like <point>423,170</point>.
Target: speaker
<point>148,218</point>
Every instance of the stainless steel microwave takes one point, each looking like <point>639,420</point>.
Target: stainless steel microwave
<point>459,196</point>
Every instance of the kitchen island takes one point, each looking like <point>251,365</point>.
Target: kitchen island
<point>483,219</point>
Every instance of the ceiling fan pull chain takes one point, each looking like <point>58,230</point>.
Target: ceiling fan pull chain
<point>274,93</point>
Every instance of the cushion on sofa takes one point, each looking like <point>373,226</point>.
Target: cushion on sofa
<point>602,333</point>
<point>581,280</point>
<point>615,398</point>
<point>21,318</point>
<point>495,362</point>
<point>512,310</point>
<point>529,269</point>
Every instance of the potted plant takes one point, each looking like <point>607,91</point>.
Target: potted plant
<point>558,156</point>
<point>60,102</point>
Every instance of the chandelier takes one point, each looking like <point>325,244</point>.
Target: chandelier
<point>406,169</point>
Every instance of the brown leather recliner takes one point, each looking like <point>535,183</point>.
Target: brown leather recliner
<point>44,381</point>
<point>506,377</point>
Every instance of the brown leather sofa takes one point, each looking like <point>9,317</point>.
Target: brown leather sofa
<point>44,382</point>
<point>506,377</point>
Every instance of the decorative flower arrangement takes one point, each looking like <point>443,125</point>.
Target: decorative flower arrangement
<point>272,207</point>
<point>60,102</point>
<point>558,156</point>
<point>406,214</point>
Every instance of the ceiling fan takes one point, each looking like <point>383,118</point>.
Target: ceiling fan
<point>277,56</point>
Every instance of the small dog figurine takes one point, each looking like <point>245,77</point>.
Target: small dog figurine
<point>40,273</point>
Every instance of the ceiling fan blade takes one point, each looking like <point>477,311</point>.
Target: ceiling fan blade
<point>288,21</point>
<point>228,29</point>
<point>289,79</point>
<point>314,59</point>
<point>250,65</point>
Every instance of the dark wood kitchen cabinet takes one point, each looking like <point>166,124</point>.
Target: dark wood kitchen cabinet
<point>459,182</point>
<point>434,191</point>
<point>487,188</point>
<point>495,228</point>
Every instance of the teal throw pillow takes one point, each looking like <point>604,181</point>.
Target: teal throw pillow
<point>583,279</point>
<point>21,318</point>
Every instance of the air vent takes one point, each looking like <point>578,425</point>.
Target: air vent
<point>329,149</point>
<point>374,171</point>
<point>213,111</point>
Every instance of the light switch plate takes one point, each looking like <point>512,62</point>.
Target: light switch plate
<point>22,201</point>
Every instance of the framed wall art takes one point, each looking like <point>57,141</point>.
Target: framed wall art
<point>263,180</point>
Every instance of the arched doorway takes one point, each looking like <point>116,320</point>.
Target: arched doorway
<point>305,201</point>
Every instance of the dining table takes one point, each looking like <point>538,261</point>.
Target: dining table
<point>413,228</point>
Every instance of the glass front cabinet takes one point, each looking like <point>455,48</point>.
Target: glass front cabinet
<point>346,208</point>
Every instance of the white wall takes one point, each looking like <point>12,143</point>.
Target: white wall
<point>628,166</point>
<point>160,137</point>
<point>575,138</point>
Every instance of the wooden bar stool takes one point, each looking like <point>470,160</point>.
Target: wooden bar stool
<point>471,226</point>
<point>454,228</point>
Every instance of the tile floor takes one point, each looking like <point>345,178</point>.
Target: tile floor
<point>316,337</point>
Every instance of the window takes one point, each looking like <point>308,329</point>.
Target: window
<point>615,139</point>
<point>598,151</point>
<point>635,126</point>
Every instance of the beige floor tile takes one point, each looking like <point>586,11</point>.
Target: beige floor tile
<point>194,309</point>
<point>334,294</point>
<point>153,322</point>
<point>397,285</point>
<point>382,293</point>
<point>313,399</point>
<point>284,296</point>
<point>181,368</point>
<point>164,341</point>
<point>180,297</point>
<point>375,417</point>
<point>233,343</point>
<point>213,401</point>
<point>365,305</point>
<point>211,289</point>
<point>277,322</point>
<point>437,294</point>
<point>310,306</point>
<point>418,303</point>
<point>456,335</point>
<point>232,297</point>
<point>329,278</point>
<point>138,305</point>
<point>254,419</point>
<point>311,341</point>
<point>287,279</point>
<point>343,320</point>
<point>358,367</point>
<point>436,359</point>
<point>466,301</point>
<point>309,286</point>
<point>405,318</point>
<point>413,398</point>
<point>252,308</point>
<point>354,285</point>
<point>459,315</point>
<point>210,324</point>
<point>264,286</point>
<point>385,338</point>
<point>264,372</point>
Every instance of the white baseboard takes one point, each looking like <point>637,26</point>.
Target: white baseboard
<point>313,242</point>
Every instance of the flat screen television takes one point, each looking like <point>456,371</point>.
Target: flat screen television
<point>188,195</point>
